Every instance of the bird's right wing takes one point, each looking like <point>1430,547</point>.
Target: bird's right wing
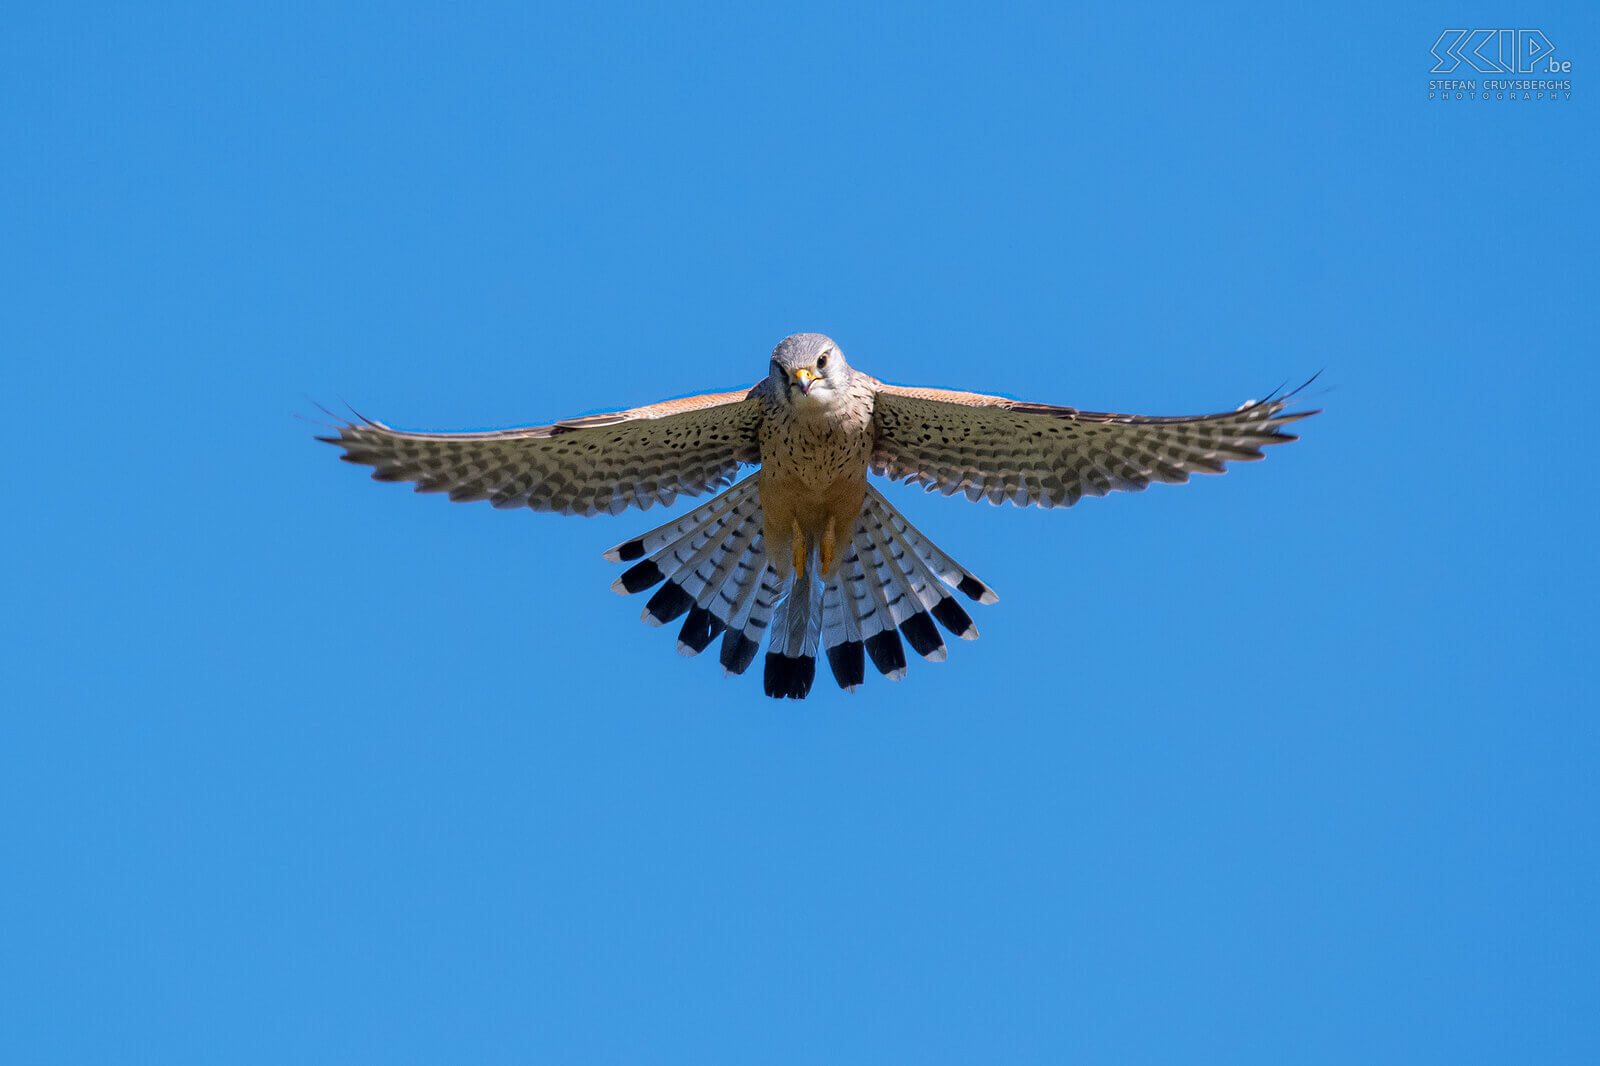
<point>590,465</point>
<point>1033,453</point>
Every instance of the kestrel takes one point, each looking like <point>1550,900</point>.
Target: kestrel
<point>806,546</point>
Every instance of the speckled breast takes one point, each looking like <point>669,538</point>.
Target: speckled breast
<point>817,446</point>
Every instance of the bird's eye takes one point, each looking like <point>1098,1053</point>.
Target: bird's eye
<point>822,360</point>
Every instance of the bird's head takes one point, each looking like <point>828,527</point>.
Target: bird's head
<point>808,368</point>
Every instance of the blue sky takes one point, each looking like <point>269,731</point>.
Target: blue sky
<point>1296,764</point>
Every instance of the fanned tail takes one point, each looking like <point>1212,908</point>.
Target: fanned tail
<point>888,584</point>
<point>949,571</point>
<point>712,567</point>
<point>687,554</point>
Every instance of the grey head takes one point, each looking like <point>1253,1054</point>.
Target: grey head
<point>808,367</point>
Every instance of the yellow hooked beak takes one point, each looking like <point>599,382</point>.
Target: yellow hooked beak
<point>804,376</point>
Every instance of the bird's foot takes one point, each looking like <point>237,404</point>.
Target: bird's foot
<point>797,547</point>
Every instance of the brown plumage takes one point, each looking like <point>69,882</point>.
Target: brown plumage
<point>807,546</point>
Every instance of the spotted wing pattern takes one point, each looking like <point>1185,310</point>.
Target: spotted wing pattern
<point>994,448</point>
<point>591,465</point>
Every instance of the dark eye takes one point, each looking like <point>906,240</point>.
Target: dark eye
<point>822,360</point>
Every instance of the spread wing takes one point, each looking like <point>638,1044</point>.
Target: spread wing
<point>1001,449</point>
<point>591,465</point>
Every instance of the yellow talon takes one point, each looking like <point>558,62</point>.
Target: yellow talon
<point>828,546</point>
<point>797,543</point>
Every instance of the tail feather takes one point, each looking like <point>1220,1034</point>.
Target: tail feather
<point>702,624</point>
<point>841,633</point>
<point>791,663</point>
<point>790,617</point>
<point>925,583</point>
<point>888,585</point>
<point>666,534</point>
<point>883,646</point>
<point>675,546</point>
<point>767,592</point>
<point>859,602</point>
<point>740,542</point>
<point>950,572</point>
<point>915,622</point>
<point>710,614</point>
<point>732,601</point>
<point>681,563</point>
<point>737,649</point>
<point>712,567</point>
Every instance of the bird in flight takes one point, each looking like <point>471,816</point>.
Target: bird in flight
<point>807,547</point>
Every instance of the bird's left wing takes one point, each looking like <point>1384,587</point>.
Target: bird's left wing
<point>1002,449</point>
<point>590,465</point>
